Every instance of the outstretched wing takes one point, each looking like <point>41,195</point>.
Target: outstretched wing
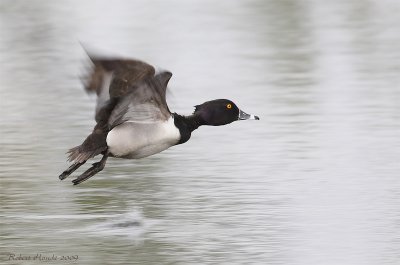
<point>145,102</point>
<point>114,78</point>
<point>127,90</point>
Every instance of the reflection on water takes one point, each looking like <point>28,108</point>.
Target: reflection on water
<point>315,181</point>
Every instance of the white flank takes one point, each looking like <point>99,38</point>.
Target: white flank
<point>136,140</point>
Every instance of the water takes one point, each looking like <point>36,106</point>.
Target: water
<point>315,181</point>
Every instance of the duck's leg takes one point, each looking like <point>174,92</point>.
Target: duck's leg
<point>96,168</point>
<point>71,169</point>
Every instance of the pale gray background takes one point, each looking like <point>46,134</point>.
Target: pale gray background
<point>315,181</point>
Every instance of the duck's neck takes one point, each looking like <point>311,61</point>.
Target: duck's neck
<point>186,125</point>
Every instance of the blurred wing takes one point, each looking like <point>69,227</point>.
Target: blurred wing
<point>114,78</point>
<point>126,72</point>
<point>145,103</point>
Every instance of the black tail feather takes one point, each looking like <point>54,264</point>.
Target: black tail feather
<point>77,154</point>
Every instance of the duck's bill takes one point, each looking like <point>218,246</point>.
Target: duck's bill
<point>244,116</point>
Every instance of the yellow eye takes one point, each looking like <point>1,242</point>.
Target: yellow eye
<point>229,106</point>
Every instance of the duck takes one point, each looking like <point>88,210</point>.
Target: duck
<point>132,116</point>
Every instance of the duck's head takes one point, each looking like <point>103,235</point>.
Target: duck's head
<point>220,112</point>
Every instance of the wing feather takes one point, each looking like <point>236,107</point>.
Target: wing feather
<point>114,78</point>
<point>145,103</point>
<point>127,90</point>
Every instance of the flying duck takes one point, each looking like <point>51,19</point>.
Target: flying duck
<point>132,116</point>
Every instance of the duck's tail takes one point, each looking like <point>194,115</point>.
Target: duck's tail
<point>93,145</point>
<point>78,154</point>
<point>79,157</point>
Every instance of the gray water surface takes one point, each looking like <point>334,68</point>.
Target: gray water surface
<point>315,181</point>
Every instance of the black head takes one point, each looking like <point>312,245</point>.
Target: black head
<point>220,112</point>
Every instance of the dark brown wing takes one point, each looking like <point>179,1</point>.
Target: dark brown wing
<point>126,73</point>
<point>111,79</point>
<point>145,103</point>
<point>114,78</point>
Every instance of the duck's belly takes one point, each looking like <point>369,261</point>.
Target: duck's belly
<point>137,140</point>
